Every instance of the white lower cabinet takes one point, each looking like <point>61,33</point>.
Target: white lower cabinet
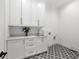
<point>15,49</point>
<point>30,51</point>
<point>31,46</point>
<point>21,48</point>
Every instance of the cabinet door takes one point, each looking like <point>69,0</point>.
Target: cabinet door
<point>29,43</point>
<point>29,10</point>
<point>38,13</point>
<point>15,49</point>
<point>40,44</point>
<point>26,12</point>
<point>15,12</point>
<point>35,14</point>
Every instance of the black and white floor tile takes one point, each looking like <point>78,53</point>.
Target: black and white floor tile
<point>56,51</point>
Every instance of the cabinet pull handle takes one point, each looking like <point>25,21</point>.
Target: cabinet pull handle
<point>21,21</point>
<point>30,40</point>
<point>30,44</point>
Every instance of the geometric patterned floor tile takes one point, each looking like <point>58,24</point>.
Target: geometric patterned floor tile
<point>56,51</point>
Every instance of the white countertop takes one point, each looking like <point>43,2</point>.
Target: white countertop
<point>24,37</point>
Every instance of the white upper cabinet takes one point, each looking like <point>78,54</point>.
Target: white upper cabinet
<point>29,12</point>
<point>25,12</point>
<point>38,13</point>
<point>35,14</point>
<point>14,12</point>
<point>21,13</point>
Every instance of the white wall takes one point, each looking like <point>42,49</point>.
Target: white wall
<point>49,21</point>
<point>1,24</point>
<point>47,18</point>
<point>69,25</point>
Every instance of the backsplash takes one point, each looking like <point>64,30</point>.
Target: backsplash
<point>18,31</point>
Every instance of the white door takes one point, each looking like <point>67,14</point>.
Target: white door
<point>15,12</point>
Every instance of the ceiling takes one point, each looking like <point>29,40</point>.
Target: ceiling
<point>54,3</point>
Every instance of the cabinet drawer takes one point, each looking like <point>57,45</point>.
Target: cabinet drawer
<point>30,42</point>
<point>15,42</point>
<point>30,51</point>
<point>29,45</point>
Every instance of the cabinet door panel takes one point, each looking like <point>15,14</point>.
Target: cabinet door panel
<point>35,14</point>
<point>29,43</point>
<point>15,49</point>
<point>30,51</point>
<point>15,12</point>
<point>26,12</point>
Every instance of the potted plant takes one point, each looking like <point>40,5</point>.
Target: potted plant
<point>26,30</point>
